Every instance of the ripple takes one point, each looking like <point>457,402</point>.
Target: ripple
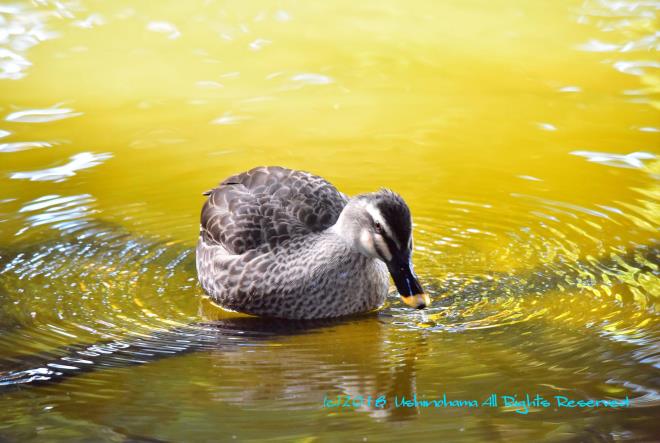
<point>633,23</point>
<point>547,126</point>
<point>492,263</point>
<point>83,160</point>
<point>636,67</point>
<point>21,28</point>
<point>210,84</point>
<point>259,44</point>
<point>12,65</point>
<point>282,15</point>
<point>92,277</point>
<point>229,118</point>
<point>570,89</point>
<point>66,213</point>
<point>646,43</point>
<point>634,160</point>
<point>23,146</point>
<point>92,21</point>
<point>41,115</point>
<point>310,78</point>
<point>530,178</point>
<point>163,27</point>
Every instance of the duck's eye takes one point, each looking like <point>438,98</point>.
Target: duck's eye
<point>378,228</point>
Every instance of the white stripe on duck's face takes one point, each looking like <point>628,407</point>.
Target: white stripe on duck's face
<point>372,238</point>
<point>378,219</point>
<point>365,226</point>
<point>374,245</point>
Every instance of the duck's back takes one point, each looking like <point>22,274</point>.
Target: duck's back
<point>267,206</point>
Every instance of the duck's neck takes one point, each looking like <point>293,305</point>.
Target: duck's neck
<point>346,229</point>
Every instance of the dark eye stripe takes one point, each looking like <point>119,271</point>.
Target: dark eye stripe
<point>397,215</point>
<point>391,245</point>
<point>378,250</point>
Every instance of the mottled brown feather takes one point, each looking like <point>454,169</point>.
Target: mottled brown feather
<point>268,205</point>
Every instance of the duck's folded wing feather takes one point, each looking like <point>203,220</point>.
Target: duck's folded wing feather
<point>268,205</point>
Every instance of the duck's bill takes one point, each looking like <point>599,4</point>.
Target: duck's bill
<point>417,301</point>
<point>408,285</point>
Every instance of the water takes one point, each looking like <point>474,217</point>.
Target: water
<point>524,136</point>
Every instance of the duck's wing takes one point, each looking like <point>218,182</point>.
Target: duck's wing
<point>268,205</point>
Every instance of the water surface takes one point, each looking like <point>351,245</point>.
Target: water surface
<point>523,135</point>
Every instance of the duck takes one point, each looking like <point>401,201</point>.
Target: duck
<point>283,243</point>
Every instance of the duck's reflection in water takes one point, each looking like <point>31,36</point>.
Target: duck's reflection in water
<point>353,360</point>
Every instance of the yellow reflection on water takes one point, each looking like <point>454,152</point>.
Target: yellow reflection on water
<point>524,136</point>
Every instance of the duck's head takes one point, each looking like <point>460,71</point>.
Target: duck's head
<point>379,226</point>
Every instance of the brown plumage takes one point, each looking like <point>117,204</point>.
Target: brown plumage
<point>283,243</point>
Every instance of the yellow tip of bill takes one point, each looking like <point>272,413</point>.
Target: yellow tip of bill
<point>417,301</point>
